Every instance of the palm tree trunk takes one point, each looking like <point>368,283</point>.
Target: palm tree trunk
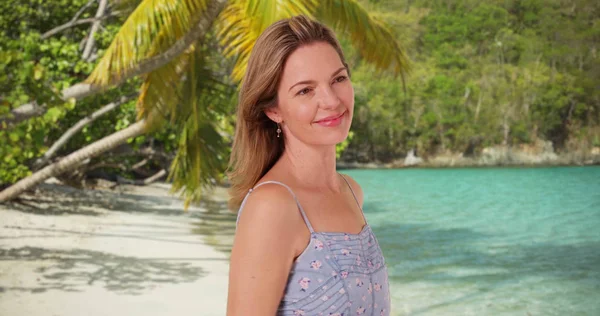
<point>82,90</point>
<point>148,180</point>
<point>76,128</point>
<point>73,160</point>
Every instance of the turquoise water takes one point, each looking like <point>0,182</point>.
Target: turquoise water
<point>510,241</point>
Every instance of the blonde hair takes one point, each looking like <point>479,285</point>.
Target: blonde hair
<point>256,147</point>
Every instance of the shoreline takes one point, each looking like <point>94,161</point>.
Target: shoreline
<point>390,166</point>
<point>539,155</point>
<point>130,251</point>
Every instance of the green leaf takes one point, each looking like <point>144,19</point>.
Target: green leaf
<point>134,42</point>
<point>53,114</point>
<point>14,137</point>
<point>38,72</point>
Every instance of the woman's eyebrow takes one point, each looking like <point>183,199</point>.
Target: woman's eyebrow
<point>301,82</point>
<point>338,71</point>
<point>312,81</point>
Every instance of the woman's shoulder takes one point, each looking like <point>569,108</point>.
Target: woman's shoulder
<point>270,192</point>
<point>269,203</point>
<point>270,218</point>
<point>356,188</point>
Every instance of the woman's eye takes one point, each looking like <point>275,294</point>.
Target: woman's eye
<point>304,91</point>
<point>340,78</point>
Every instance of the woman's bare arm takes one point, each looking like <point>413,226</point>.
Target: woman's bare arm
<point>263,252</point>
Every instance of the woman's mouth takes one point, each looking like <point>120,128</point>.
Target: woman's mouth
<point>331,121</point>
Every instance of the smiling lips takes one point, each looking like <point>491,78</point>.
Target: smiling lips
<point>331,121</point>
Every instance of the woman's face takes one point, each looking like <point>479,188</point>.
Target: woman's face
<point>315,96</point>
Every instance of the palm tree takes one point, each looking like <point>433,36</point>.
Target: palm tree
<point>163,41</point>
<point>73,160</point>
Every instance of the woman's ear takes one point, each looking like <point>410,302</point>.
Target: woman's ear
<point>274,114</point>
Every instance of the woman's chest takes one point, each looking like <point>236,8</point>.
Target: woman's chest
<point>331,213</point>
<point>338,273</point>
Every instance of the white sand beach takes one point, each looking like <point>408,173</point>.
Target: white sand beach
<point>68,252</point>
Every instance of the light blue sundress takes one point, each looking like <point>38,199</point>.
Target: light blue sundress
<point>337,274</point>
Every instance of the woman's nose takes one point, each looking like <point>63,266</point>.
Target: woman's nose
<point>329,99</point>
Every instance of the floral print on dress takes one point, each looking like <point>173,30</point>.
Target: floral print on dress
<point>358,261</point>
<point>316,264</point>
<point>318,245</point>
<point>304,282</point>
<point>357,295</point>
<point>359,282</point>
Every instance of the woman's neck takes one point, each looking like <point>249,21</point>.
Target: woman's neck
<point>311,166</point>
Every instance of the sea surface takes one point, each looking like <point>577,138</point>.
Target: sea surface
<point>493,241</point>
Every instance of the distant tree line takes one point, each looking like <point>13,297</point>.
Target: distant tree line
<point>483,73</point>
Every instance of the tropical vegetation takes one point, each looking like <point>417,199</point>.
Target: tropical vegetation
<point>127,90</point>
<point>179,58</point>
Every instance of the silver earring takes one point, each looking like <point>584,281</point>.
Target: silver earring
<point>278,130</point>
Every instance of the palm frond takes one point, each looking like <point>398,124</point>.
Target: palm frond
<point>177,89</point>
<point>126,5</point>
<point>187,93</point>
<point>159,91</point>
<point>200,159</point>
<point>243,21</point>
<point>370,35</point>
<point>204,93</point>
<point>136,39</point>
<point>263,13</point>
<point>202,154</point>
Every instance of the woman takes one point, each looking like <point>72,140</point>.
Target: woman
<point>302,244</point>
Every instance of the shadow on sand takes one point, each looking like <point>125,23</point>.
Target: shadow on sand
<point>74,269</point>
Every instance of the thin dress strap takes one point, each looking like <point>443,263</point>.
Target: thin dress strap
<point>289,189</point>
<point>355,198</point>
